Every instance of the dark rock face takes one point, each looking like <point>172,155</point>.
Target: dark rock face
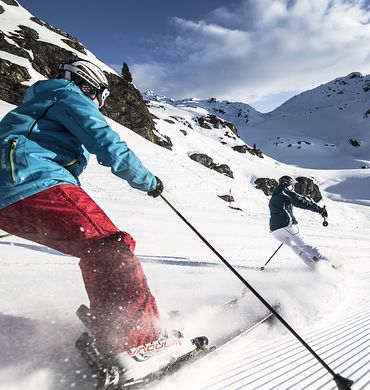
<point>203,159</point>
<point>207,161</point>
<point>24,36</point>
<point>354,142</point>
<point>266,185</point>
<point>213,122</point>
<point>245,148</point>
<point>125,104</point>
<point>306,186</point>
<point>12,75</point>
<point>11,2</point>
<point>68,39</point>
<point>12,49</point>
<point>224,169</point>
<point>227,198</point>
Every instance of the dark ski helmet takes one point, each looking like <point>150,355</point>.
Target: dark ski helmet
<point>89,77</point>
<point>286,181</point>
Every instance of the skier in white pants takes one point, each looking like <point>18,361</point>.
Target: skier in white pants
<point>283,224</point>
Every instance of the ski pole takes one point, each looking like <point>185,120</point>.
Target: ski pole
<point>341,382</point>
<point>325,223</point>
<point>262,268</point>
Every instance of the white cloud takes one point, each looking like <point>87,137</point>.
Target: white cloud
<point>262,48</point>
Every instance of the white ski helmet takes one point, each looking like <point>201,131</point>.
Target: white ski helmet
<point>86,75</point>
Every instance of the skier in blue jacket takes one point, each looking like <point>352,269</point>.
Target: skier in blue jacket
<point>283,224</point>
<point>45,145</point>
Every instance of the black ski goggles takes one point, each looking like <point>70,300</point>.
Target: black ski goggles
<point>93,93</point>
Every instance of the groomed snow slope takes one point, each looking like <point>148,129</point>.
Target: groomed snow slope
<point>40,289</point>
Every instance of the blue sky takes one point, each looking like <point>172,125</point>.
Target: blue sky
<point>260,52</point>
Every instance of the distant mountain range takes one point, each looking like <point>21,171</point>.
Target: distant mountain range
<point>331,121</point>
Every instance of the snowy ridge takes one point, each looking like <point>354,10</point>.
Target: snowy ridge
<point>329,121</point>
<point>237,113</point>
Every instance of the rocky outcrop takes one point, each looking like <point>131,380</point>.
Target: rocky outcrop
<point>207,161</point>
<point>12,49</point>
<point>266,185</point>
<point>224,169</point>
<point>307,187</point>
<point>12,75</point>
<point>11,2</point>
<point>245,148</point>
<point>367,114</point>
<point>213,122</point>
<point>227,198</point>
<point>354,142</point>
<point>125,104</point>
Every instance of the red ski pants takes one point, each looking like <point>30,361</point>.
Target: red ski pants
<point>65,218</point>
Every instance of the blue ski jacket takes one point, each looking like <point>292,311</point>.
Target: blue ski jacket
<point>281,207</point>
<point>47,141</point>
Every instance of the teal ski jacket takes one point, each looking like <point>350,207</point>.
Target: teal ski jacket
<point>47,141</point>
<point>281,207</point>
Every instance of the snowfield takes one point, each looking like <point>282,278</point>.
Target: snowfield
<point>41,289</point>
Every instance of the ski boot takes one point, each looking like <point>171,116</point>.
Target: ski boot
<point>141,364</point>
<point>106,371</point>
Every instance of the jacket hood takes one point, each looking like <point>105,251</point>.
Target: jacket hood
<point>45,86</point>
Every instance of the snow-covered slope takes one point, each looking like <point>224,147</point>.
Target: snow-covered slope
<point>40,289</point>
<point>328,122</point>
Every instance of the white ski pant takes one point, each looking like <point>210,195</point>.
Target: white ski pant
<point>291,237</point>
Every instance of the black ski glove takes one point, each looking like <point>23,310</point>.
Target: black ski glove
<point>323,212</point>
<point>158,190</point>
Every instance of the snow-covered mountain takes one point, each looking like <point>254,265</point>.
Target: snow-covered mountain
<point>40,289</point>
<point>239,114</point>
<point>326,128</point>
<point>329,121</point>
<point>332,120</point>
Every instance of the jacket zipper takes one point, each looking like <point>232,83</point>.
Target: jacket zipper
<point>69,164</point>
<point>13,145</point>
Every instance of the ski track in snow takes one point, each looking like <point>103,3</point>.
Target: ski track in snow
<point>41,288</point>
<point>39,327</point>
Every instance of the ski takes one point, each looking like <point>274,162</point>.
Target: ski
<point>112,376</point>
<point>5,235</point>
